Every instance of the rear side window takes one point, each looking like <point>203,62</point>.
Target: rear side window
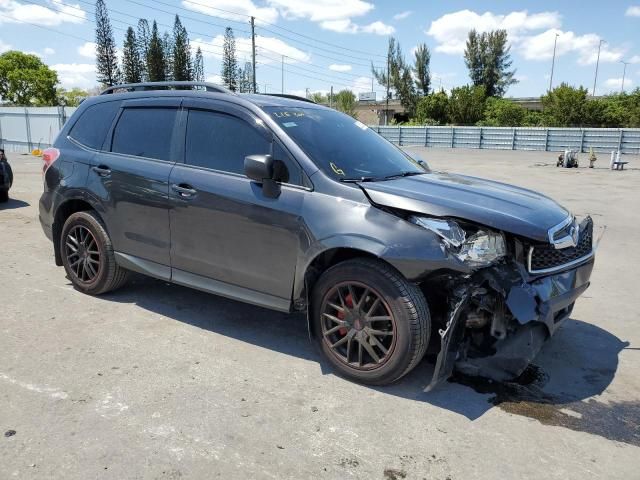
<point>220,141</point>
<point>145,132</point>
<point>91,128</point>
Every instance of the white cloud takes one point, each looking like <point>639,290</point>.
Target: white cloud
<point>87,50</point>
<point>49,51</point>
<point>233,9</point>
<point>378,28</point>
<point>81,75</point>
<point>616,83</point>
<point>633,11</point>
<point>361,84</point>
<point>635,59</point>
<point>12,11</point>
<point>268,49</point>
<point>336,67</point>
<point>322,10</point>
<point>214,79</point>
<point>402,15</point>
<point>540,47</point>
<point>4,47</point>
<point>451,30</point>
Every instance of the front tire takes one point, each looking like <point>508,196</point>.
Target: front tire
<point>87,255</point>
<point>371,323</point>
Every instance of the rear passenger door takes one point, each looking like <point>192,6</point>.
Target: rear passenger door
<point>131,177</point>
<point>224,228</point>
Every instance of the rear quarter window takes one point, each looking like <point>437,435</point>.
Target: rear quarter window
<point>91,128</point>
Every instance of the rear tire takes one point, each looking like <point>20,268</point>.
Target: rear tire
<point>4,196</point>
<point>370,322</point>
<point>87,255</point>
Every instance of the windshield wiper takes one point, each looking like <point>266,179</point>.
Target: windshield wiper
<point>403,174</point>
<point>361,179</point>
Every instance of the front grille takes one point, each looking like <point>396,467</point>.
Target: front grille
<point>544,257</point>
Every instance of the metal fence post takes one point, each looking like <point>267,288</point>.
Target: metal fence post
<point>546,140</point>
<point>582,140</point>
<point>426,136</point>
<point>453,134</point>
<point>28,125</point>
<point>620,141</point>
<point>480,139</point>
<point>400,136</point>
<point>513,139</point>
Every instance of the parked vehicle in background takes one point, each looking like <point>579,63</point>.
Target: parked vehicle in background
<point>6,177</point>
<point>293,206</point>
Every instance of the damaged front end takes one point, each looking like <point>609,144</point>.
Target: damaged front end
<point>495,320</point>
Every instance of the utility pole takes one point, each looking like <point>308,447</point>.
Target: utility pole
<point>624,72</point>
<point>253,52</point>
<point>306,93</point>
<point>595,79</point>
<point>282,75</point>
<point>386,112</point>
<point>553,62</point>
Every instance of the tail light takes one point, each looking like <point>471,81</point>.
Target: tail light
<point>49,156</point>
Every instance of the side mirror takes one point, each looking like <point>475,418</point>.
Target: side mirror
<point>260,169</point>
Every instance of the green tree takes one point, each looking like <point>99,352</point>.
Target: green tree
<point>466,105</point>
<point>421,69</point>
<point>156,65</point>
<point>107,69</point>
<point>319,97</point>
<point>565,106</point>
<point>71,98</point>
<point>488,59</point>
<point>167,52</point>
<point>399,77</point>
<point>433,108</point>
<point>131,63</point>
<point>198,66</point>
<point>499,112</point>
<point>26,80</point>
<point>182,67</point>
<point>244,78</point>
<point>345,101</point>
<point>143,38</point>
<point>229,71</point>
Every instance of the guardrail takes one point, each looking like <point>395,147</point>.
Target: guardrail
<point>23,129</point>
<point>602,140</point>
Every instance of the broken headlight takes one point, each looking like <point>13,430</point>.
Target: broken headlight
<point>477,250</point>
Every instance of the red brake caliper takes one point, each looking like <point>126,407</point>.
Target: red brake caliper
<point>348,300</point>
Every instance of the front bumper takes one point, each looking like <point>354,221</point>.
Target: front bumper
<point>535,309</point>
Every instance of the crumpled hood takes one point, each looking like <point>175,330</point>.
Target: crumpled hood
<point>493,204</point>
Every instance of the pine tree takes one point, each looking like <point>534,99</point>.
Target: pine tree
<point>106,58</point>
<point>143,38</point>
<point>245,78</point>
<point>155,57</point>
<point>167,51</point>
<point>182,67</point>
<point>198,66</point>
<point>421,69</point>
<point>398,77</point>
<point>131,65</point>
<point>229,62</point>
<point>488,59</point>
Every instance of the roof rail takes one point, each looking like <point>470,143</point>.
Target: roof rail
<point>286,95</point>
<point>144,86</point>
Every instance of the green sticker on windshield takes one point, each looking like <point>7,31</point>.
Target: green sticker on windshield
<point>289,124</point>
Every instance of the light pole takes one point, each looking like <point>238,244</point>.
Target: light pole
<point>624,72</point>
<point>553,62</point>
<point>595,79</point>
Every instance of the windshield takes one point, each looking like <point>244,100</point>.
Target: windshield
<point>343,147</point>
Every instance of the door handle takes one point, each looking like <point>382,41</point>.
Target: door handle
<point>102,170</point>
<point>184,190</point>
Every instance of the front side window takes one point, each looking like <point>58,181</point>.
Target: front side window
<point>91,128</point>
<point>145,132</point>
<point>343,147</point>
<point>220,141</point>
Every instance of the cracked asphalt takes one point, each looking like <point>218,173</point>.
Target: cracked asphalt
<point>159,381</point>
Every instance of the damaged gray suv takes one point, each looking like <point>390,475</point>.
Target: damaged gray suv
<point>293,206</point>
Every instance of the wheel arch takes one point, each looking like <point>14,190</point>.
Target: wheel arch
<point>63,212</point>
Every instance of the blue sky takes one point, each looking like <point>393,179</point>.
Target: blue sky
<point>332,42</point>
